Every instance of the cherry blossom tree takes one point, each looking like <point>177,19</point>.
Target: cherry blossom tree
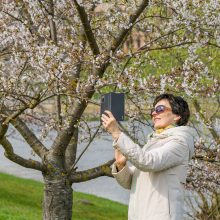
<point>70,52</point>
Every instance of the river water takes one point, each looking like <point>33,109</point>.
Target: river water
<point>99,152</point>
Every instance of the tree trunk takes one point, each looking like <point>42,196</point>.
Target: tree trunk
<point>57,202</point>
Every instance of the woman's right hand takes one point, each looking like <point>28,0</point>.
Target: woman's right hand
<point>120,160</point>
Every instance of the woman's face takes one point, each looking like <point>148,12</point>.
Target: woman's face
<point>164,118</point>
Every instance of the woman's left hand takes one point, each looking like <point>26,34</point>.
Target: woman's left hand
<point>110,124</point>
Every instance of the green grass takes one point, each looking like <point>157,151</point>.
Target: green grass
<point>21,199</point>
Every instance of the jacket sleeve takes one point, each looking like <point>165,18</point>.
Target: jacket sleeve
<point>173,153</point>
<point>124,176</point>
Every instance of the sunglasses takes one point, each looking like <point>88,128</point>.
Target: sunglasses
<point>160,109</point>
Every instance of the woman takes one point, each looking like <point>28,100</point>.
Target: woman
<point>158,173</point>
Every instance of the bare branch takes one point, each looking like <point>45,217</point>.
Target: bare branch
<point>217,110</point>
<point>206,121</point>
<point>53,29</point>
<point>102,170</point>
<point>159,38</point>
<point>146,48</point>
<point>12,115</point>
<point>70,154</point>
<point>9,153</point>
<point>3,129</point>
<point>30,137</point>
<point>53,33</point>
<point>43,6</point>
<point>207,159</point>
<point>91,139</point>
<point>26,133</point>
<point>12,16</point>
<point>22,5</point>
<point>87,28</point>
<point>128,134</point>
<point>64,136</point>
<point>214,45</point>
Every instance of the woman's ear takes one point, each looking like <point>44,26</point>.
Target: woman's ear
<point>177,118</point>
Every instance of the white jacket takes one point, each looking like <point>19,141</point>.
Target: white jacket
<point>158,173</point>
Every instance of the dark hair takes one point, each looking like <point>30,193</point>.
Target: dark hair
<point>179,107</point>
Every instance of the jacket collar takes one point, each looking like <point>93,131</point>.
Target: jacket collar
<point>182,130</point>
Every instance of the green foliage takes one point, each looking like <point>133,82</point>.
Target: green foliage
<point>21,199</point>
<point>162,62</point>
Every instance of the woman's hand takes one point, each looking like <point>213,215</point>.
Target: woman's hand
<point>110,124</point>
<point>120,160</point>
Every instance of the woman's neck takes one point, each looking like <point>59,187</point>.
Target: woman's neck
<point>160,130</point>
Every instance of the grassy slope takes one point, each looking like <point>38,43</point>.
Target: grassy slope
<point>21,199</point>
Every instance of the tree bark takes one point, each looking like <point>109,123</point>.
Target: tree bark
<point>57,202</point>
